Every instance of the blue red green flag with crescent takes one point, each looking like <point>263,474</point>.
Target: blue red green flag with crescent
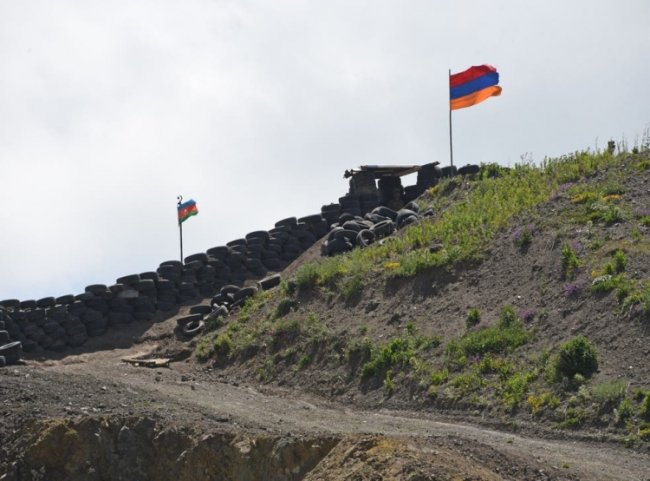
<point>187,210</point>
<point>473,86</point>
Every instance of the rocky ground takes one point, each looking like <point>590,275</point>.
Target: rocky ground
<point>301,410</point>
<point>91,416</point>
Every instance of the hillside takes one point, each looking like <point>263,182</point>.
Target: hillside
<point>493,306</point>
<point>504,335</point>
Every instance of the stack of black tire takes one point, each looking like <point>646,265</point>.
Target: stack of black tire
<point>219,273</point>
<point>350,232</point>
<point>10,349</point>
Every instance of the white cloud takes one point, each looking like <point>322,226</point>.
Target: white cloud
<point>255,109</point>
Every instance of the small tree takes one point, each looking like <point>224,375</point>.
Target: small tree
<point>576,356</point>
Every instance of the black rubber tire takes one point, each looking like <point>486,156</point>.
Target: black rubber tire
<point>270,282</point>
<point>29,345</point>
<point>172,263</point>
<point>229,289</point>
<point>258,234</point>
<point>149,275</point>
<point>311,219</point>
<point>365,237</point>
<point>12,352</point>
<point>412,219</point>
<point>200,309</point>
<point>220,252</point>
<point>349,235</point>
<point>182,321</point>
<point>10,303</point>
<point>46,302</point>
<point>383,229</point>
<point>337,246</point>
<point>385,212</point>
<point>128,280</point>
<point>413,206</point>
<point>343,218</point>
<point>4,337</point>
<point>192,328</point>
<point>65,300</point>
<point>30,304</point>
<point>403,214</point>
<point>288,222</point>
<point>97,289</point>
<point>3,361</point>
<point>449,171</point>
<point>469,169</point>
<point>353,225</point>
<point>201,257</point>
<point>236,242</point>
<point>219,311</point>
<point>244,293</point>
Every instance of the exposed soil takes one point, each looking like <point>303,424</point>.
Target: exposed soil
<point>86,414</point>
<point>194,414</point>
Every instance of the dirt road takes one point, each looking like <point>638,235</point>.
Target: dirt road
<point>184,393</point>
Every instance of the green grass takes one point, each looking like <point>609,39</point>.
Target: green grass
<point>465,226</point>
<point>505,337</point>
<point>398,352</point>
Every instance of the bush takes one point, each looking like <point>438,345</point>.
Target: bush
<point>284,307</point>
<point>494,339</point>
<point>569,261</point>
<point>508,317</point>
<point>473,317</point>
<point>576,356</point>
<point>645,406</point>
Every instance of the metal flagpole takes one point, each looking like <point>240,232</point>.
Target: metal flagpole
<point>451,143</point>
<point>180,225</point>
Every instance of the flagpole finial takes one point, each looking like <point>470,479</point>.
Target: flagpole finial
<point>179,199</point>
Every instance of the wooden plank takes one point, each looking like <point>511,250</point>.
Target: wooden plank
<point>155,362</point>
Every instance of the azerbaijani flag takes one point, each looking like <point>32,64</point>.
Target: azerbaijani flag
<point>187,210</point>
<point>473,86</point>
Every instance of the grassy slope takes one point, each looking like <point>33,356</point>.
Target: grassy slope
<point>512,363</point>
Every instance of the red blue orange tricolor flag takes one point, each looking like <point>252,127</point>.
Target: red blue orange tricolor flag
<point>473,86</point>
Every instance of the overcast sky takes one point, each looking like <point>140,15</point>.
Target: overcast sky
<point>109,110</point>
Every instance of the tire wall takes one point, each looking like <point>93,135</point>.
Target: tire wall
<point>57,324</point>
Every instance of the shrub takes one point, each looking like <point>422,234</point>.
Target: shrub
<point>473,317</point>
<point>389,384</point>
<point>608,395</point>
<point>537,403</point>
<point>223,345</point>
<point>284,307</point>
<point>439,377</point>
<point>508,317</point>
<point>569,261</point>
<point>624,411</point>
<point>494,339</point>
<point>620,261</point>
<point>523,236</point>
<point>645,406</point>
<point>515,388</point>
<point>576,356</point>
<point>398,352</point>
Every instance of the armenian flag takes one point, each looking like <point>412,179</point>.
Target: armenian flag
<point>187,210</point>
<point>473,86</point>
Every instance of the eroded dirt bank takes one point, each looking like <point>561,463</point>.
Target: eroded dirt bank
<point>97,418</point>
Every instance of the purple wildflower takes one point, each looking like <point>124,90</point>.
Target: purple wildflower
<point>640,212</point>
<point>573,290</point>
<point>527,315</point>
